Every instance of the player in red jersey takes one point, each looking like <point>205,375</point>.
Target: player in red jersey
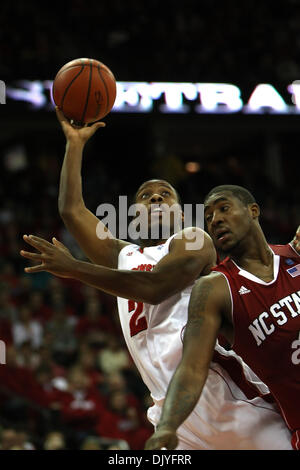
<point>253,299</point>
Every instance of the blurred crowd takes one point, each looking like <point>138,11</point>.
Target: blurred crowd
<point>68,380</point>
<point>137,39</point>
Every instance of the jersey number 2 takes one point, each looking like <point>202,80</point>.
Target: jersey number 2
<point>296,354</point>
<point>137,322</point>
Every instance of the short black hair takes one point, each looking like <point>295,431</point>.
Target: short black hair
<point>237,191</point>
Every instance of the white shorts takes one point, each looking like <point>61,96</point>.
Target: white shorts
<point>224,419</point>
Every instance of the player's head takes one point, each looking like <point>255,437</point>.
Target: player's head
<point>162,206</point>
<point>230,214</point>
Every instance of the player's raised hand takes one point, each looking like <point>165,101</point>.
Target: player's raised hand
<point>52,257</point>
<point>74,133</point>
<point>296,240</point>
<point>162,439</point>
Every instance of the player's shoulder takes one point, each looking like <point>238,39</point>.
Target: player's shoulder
<point>190,232</point>
<point>125,247</point>
<point>192,239</point>
<point>214,279</point>
<point>214,286</point>
<point>286,251</point>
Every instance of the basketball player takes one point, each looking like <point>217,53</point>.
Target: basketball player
<point>253,298</point>
<point>153,282</point>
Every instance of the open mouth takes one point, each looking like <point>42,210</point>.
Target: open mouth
<point>155,209</point>
<point>222,235</point>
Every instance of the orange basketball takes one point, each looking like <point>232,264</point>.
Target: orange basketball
<point>84,90</point>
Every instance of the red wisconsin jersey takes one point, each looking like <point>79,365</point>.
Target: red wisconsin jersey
<point>266,318</point>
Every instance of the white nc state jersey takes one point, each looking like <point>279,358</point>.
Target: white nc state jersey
<point>153,332</point>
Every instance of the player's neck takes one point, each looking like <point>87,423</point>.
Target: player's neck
<point>253,250</point>
<point>161,236</point>
<point>148,242</point>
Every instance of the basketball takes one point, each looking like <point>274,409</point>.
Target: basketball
<point>84,90</point>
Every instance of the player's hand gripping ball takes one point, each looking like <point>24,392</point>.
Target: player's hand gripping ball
<point>84,90</point>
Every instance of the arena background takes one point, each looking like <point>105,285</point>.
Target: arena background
<point>68,381</point>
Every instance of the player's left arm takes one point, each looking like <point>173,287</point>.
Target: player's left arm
<point>186,260</point>
<point>205,317</point>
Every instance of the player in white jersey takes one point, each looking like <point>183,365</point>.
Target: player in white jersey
<point>153,282</point>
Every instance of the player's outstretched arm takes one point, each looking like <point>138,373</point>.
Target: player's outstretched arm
<point>172,274</point>
<point>204,323</point>
<point>79,220</point>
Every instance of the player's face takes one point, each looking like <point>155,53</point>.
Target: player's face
<point>157,196</point>
<point>227,219</point>
<point>156,192</point>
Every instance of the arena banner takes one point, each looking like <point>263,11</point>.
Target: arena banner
<point>172,97</point>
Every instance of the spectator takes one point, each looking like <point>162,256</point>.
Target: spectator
<point>24,441</point>
<point>45,357</point>
<point>8,314</point>
<point>114,357</point>
<point>8,310</point>
<point>61,337</point>
<point>58,300</point>
<point>87,363</point>
<point>91,443</point>
<point>121,421</point>
<point>9,438</point>
<point>93,324</point>
<point>54,440</point>
<point>27,356</point>
<point>52,392</point>
<point>27,329</point>
<point>8,275</point>
<point>116,382</point>
<point>123,446</point>
<point>38,307</point>
<point>83,406</point>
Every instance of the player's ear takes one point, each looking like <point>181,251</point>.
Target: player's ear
<point>254,210</point>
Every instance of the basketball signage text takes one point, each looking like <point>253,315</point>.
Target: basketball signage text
<point>2,92</point>
<point>176,97</point>
<point>279,313</point>
<point>2,352</point>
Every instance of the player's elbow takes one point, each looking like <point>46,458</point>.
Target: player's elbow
<point>64,213</point>
<point>158,298</point>
<point>158,294</point>
<point>67,217</point>
<point>160,288</point>
<point>155,291</point>
<point>64,209</point>
<point>67,212</point>
<point>152,297</point>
